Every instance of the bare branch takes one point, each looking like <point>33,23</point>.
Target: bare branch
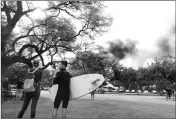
<point>70,14</point>
<point>167,74</point>
<point>7,11</point>
<point>27,46</point>
<point>53,16</point>
<point>49,63</point>
<point>20,37</point>
<point>43,41</point>
<point>59,5</point>
<point>42,59</point>
<point>30,10</point>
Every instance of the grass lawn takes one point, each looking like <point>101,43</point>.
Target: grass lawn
<point>104,106</point>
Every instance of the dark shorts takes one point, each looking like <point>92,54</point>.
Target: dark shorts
<point>62,96</point>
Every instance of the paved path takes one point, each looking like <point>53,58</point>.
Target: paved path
<point>104,106</point>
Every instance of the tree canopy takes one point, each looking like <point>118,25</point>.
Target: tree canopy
<point>49,36</point>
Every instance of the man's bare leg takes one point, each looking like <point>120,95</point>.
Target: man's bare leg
<point>64,113</point>
<point>55,113</point>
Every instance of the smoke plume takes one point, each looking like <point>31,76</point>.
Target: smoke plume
<point>131,55</point>
<point>165,47</point>
<point>120,50</point>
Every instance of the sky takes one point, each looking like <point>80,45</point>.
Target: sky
<point>142,21</point>
<point>145,22</point>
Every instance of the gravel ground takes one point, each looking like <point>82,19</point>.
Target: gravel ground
<point>104,106</point>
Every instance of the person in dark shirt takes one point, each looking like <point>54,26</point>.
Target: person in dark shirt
<point>32,95</point>
<point>20,84</point>
<point>62,78</point>
<point>6,89</point>
<point>169,91</point>
<point>174,91</point>
<point>92,95</point>
<point>6,84</point>
<point>19,89</point>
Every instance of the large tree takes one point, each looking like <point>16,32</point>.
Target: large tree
<point>89,62</point>
<point>165,68</point>
<point>48,78</point>
<point>16,72</point>
<point>91,59</point>
<point>52,35</point>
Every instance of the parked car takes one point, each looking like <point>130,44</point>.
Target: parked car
<point>154,92</point>
<point>105,89</point>
<point>100,91</point>
<point>109,89</point>
<point>133,91</point>
<point>145,92</point>
<point>41,88</point>
<point>113,89</point>
<point>139,91</point>
<point>127,91</point>
<point>46,88</point>
<point>121,89</point>
<point>162,92</point>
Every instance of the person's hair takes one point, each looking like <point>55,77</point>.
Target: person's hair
<point>64,63</point>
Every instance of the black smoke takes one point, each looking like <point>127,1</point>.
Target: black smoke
<point>164,47</point>
<point>121,49</point>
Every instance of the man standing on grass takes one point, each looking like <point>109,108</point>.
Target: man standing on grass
<point>63,80</point>
<point>6,89</point>
<point>169,91</point>
<point>92,95</point>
